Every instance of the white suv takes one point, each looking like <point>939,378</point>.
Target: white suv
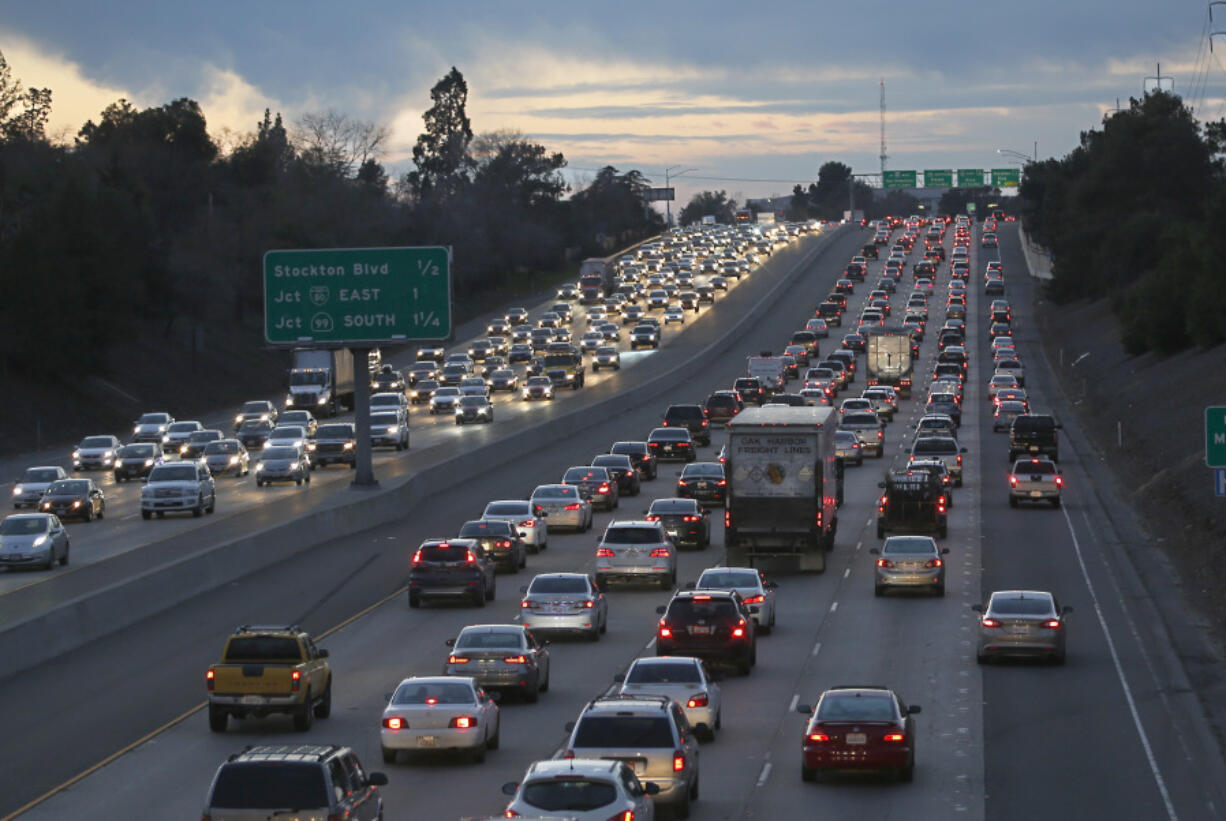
<point>178,486</point>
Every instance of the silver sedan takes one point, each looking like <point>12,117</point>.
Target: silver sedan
<point>530,525</point>
<point>910,562</point>
<point>562,507</point>
<point>1021,623</point>
<point>437,713</point>
<point>686,681</point>
<point>757,593</point>
<point>33,540</point>
<point>565,601</point>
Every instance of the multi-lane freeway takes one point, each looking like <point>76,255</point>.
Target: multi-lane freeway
<point>1117,732</point>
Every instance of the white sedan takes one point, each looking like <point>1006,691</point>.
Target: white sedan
<point>531,527</point>
<point>440,713</point>
<point>758,594</point>
<point>683,679</point>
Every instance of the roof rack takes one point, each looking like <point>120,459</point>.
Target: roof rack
<point>267,628</point>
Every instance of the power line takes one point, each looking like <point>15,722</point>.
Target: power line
<point>708,179</point>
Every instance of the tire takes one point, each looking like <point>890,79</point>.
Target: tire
<point>298,482</point>
<point>495,741</point>
<point>198,510</point>
<point>477,756</point>
<point>64,558</point>
<point>604,625</point>
<point>324,708</point>
<point>480,597</point>
<point>389,756</point>
<point>218,718</point>
<point>980,658</point>
<point>939,590</point>
<point>1012,501</point>
<point>307,477</point>
<point>1055,502</point>
<point>1058,658</point>
<point>682,810</point>
<point>545,685</point>
<point>89,514</point>
<point>492,592</point>
<point>414,601</point>
<point>533,695</point>
<point>878,590</point>
<point>807,774</point>
<point>51,560</point>
<point>907,773</point>
<point>145,514</point>
<point>304,716</point>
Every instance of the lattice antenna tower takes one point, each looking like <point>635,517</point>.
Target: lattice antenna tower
<point>883,156</point>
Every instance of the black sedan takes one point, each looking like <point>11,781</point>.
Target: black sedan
<point>703,482</point>
<point>685,521</point>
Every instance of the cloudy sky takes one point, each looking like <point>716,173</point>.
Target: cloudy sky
<point>755,96</point>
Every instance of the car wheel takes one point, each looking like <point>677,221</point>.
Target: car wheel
<point>1058,657</point>
<point>414,601</point>
<point>161,514</point>
<point>324,708</point>
<point>145,514</point>
<point>533,694</point>
<point>878,590</point>
<point>807,773</point>
<point>218,718</point>
<point>1055,502</point>
<point>495,741</point>
<point>389,756</point>
<point>198,510</point>
<point>980,658</point>
<point>907,773</point>
<point>939,590</point>
<point>303,718</point>
<point>1012,501</point>
<point>89,513</point>
<point>477,755</point>
<point>298,481</point>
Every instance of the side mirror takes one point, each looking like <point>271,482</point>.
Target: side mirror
<point>962,450</point>
<point>978,608</point>
<point>1064,611</point>
<point>387,696</point>
<point>771,585</point>
<point>377,780</point>
<point>569,726</point>
<point>620,678</point>
<point>323,654</point>
<point>450,642</point>
<point>651,788</point>
<point>661,609</point>
<point>510,788</point>
<point>881,484</point>
<point>912,709</point>
<point>804,709</point>
<point>944,551</point>
<point>523,588</point>
<point>875,551</point>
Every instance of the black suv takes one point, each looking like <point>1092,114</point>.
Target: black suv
<point>712,625</point>
<point>1032,434</point>
<point>691,417</point>
<point>334,443</point>
<point>750,389</point>
<point>640,456</point>
<point>622,468</point>
<point>913,501</point>
<point>499,539</point>
<point>318,780</point>
<point>722,406</point>
<point>452,569</point>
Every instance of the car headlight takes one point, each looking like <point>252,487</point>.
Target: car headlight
<point>76,503</point>
<point>289,400</point>
<point>323,399</point>
<point>349,446</point>
<point>459,411</point>
<point>136,429</point>
<point>148,463</point>
<point>40,541</point>
<point>259,466</point>
<point>182,449</point>
<point>76,454</point>
<point>238,420</point>
<point>17,490</point>
<point>393,429</point>
<point>234,460</point>
<point>311,446</point>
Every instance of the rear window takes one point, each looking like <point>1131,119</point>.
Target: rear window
<point>857,707</point>
<point>935,446</point>
<point>557,584</point>
<point>673,672</point>
<point>623,731</point>
<point>270,785</point>
<point>476,530</point>
<point>263,648</point>
<point>569,795</point>
<point>443,553</point>
<point>99,441</point>
<point>632,535</point>
<point>508,509</point>
<point>1035,468</point>
<point>860,419</point>
<point>686,412</point>
<point>1017,606</point>
<point>422,692</point>
<point>629,448</point>
<point>1034,423</point>
<point>698,609</point>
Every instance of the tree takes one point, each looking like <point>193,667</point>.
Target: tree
<point>23,112</point>
<point>336,144</point>
<point>517,172</point>
<point>441,153</point>
<point>713,203</point>
<point>611,210</point>
<point>799,209</point>
<point>264,157</point>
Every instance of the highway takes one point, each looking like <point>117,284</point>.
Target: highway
<point>1115,733</point>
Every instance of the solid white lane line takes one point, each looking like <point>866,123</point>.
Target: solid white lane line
<point>1119,672</point>
<point>766,772</point>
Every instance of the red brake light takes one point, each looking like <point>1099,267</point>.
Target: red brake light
<point>295,679</point>
<point>573,507</point>
<point>934,563</point>
<point>727,518</point>
<point>469,557</point>
<point>528,523</point>
<point>1059,481</point>
<point>987,622</point>
<point>463,722</point>
<point>678,761</point>
<point>651,518</point>
<point>665,631</point>
<point>604,488</point>
<point>417,557</point>
<point>818,737</point>
<point>515,660</point>
<point>395,723</point>
<point>699,700</point>
<point>1052,624</point>
<point>604,553</point>
<point>884,563</point>
<point>208,678</point>
<point>689,518</point>
<point>755,599</point>
<point>589,604</point>
<point>527,604</point>
<point>660,553</point>
<point>721,483</point>
<point>1013,481</point>
<point>738,632</point>
<point>896,737</point>
<point>457,660</point>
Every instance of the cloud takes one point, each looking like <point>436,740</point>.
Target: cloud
<point>230,102</point>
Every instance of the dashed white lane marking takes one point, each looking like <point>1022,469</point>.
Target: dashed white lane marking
<point>817,648</point>
<point>766,772</point>
<point>792,704</point>
<point>847,572</point>
<point>1119,672</point>
<point>129,516</point>
<point>834,606</point>
<point>650,644</point>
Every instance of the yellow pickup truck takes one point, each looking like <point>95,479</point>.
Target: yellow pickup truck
<point>270,669</point>
<point>564,368</point>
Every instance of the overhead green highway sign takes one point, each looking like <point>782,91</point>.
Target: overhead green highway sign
<point>898,179</point>
<point>1006,177</point>
<point>970,177</point>
<point>938,178</point>
<point>1215,436</point>
<point>357,296</point>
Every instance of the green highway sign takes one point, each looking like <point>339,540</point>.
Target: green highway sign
<point>1215,436</point>
<point>898,179</point>
<point>970,208</point>
<point>357,296</point>
<point>970,177</point>
<point>1006,177</point>
<point>938,178</point>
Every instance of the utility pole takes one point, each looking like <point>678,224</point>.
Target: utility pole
<point>668,211</point>
<point>1158,78</point>
<point>883,156</point>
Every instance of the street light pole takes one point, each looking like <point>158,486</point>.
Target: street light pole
<point>668,173</point>
<point>1008,152</point>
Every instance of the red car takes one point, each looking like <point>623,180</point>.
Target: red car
<point>858,728</point>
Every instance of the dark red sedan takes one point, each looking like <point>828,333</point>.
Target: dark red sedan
<point>859,728</point>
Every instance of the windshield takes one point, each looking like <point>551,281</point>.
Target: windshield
<point>856,707</point>
<point>97,442</point>
<point>287,433</point>
<point>672,672</point>
<point>558,584</point>
<point>480,529</point>
<point>40,475</point>
<point>153,419</point>
<point>378,420</point>
<point>204,436</point>
<point>571,795</point>
<point>221,447</point>
<point>624,731</point>
<point>298,378</point>
<point>254,407</point>
<point>279,453</point>
<point>334,432</point>
<point>255,424</point>
<point>73,486</point>
<point>23,526</point>
<point>489,640</point>
<point>181,427</point>
<point>727,580</point>
<point>270,785</point>
<point>173,473</point>
<point>434,692</point>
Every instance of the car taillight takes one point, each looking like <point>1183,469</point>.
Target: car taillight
<point>295,680</point>
<point>604,553</point>
<point>738,632</point>
<point>516,660</point>
<point>1013,481</point>
<point>1052,624</point>
<point>417,557</point>
<point>880,435</point>
<point>603,488</point>
<point>651,518</point>
<point>575,506</point>
<point>690,518</point>
<point>395,723</point>
<point>664,423</point>
<point>527,604</point>
<point>528,523</point>
<point>678,761</point>
<point>894,737</point>
<point>1059,481</point>
<point>934,563</point>
<point>660,553</point>
<point>653,444</point>
<point>469,557</point>
<point>699,700</point>
<point>462,723</point>
<point>819,737</point>
<point>589,604</point>
<point>208,679</point>
<point>959,458</point>
<point>884,563</point>
<point>540,511</point>
<point>755,599</point>
<point>457,660</point>
<point>665,631</point>
<point>628,815</point>
<point>987,622</point>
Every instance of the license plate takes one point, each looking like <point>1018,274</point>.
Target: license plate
<point>857,738</point>
<point>251,700</point>
<point>1034,448</point>
<point>1019,629</point>
<point>700,630</point>
<point>427,741</point>
<point>702,485</point>
<point>1034,494</point>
